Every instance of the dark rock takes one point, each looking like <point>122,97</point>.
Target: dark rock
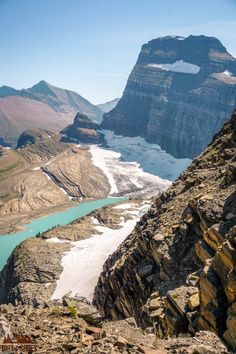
<point>187,242</point>
<point>83,130</point>
<point>179,111</point>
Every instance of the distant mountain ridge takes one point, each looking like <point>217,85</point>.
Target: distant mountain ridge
<point>178,95</point>
<point>108,106</point>
<point>41,106</point>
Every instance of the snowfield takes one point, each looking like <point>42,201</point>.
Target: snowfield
<point>227,73</point>
<point>179,66</point>
<point>150,157</point>
<point>101,160</point>
<point>127,179</point>
<point>83,264</point>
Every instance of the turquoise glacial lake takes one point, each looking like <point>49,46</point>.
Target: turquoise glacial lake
<point>10,241</point>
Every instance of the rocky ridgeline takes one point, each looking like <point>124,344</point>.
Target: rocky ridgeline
<point>178,95</point>
<point>176,271</point>
<point>75,326</point>
<point>40,106</point>
<point>37,145</point>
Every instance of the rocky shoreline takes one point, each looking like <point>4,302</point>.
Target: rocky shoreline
<point>34,268</point>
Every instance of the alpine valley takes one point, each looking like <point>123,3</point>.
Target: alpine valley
<point>118,220</point>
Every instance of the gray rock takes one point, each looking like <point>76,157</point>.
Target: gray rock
<point>179,111</point>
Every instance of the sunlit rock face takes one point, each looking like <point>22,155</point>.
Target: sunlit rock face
<point>178,95</point>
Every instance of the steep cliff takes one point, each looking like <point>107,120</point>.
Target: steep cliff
<point>176,271</point>
<point>179,94</point>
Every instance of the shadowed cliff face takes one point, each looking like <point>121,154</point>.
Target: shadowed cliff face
<point>179,94</point>
<point>176,271</point>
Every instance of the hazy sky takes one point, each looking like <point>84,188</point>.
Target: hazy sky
<point>90,46</point>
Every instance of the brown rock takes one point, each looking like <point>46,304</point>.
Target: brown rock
<point>121,342</point>
<point>193,302</point>
<point>96,332</point>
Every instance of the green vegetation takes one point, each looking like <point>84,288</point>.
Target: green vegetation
<point>73,311</point>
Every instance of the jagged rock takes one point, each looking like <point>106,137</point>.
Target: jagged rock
<point>177,108</point>
<point>193,302</point>
<point>31,272</point>
<point>187,239</point>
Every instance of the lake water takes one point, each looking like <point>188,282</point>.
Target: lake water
<point>10,241</point>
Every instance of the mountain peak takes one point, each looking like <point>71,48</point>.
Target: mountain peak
<point>206,52</point>
<point>42,87</point>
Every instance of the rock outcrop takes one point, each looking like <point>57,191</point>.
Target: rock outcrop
<point>179,94</point>
<point>31,272</point>
<point>32,136</point>
<point>83,130</point>
<point>176,271</point>
<point>75,326</point>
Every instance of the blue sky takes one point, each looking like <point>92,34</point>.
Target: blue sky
<point>90,46</point>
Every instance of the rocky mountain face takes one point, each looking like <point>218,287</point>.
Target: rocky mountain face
<point>72,324</point>
<point>44,175</point>
<point>33,136</point>
<point>108,106</point>
<point>41,106</point>
<point>83,130</point>
<point>176,271</point>
<point>179,94</point>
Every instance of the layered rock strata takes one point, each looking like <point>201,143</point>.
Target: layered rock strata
<point>178,95</point>
<point>176,271</point>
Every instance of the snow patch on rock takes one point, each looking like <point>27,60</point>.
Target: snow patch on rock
<point>83,264</point>
<point>227,73</point>
<point>179,66</point>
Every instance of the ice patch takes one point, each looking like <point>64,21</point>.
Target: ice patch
<point>123,206</point>
<point>49,178</point>
<point>95,221</point>
<point>179,38</point>
<point>65,192</point>
<point>100,158</point>
<point>179,66</point>
<point>36,168</point>
<point>47,163</point>
<point>227,73</point>
<point>126,179</point>
<point>56,240</point>
<point>149,157</point>
<point>83,264</point>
